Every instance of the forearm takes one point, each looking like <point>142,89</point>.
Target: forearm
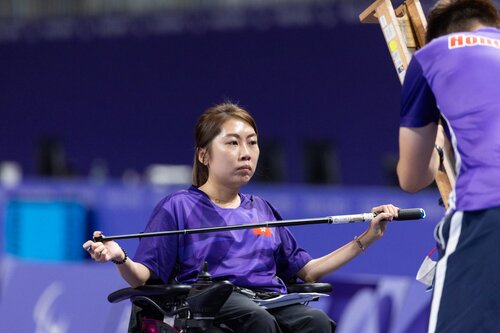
<point>135,274</point>
<point>318,268</point>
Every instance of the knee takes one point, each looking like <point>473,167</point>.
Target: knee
<point>256,320</point>
<point>319,321</point>
<point>262,315</point>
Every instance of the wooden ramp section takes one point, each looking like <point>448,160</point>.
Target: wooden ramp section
<point>404,30</point>
<point>403,27</point>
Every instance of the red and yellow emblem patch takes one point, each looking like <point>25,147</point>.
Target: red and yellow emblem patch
<point>262,231</point>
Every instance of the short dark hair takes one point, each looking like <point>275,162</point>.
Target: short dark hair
<point>209,125</point>
<point>449,16</point>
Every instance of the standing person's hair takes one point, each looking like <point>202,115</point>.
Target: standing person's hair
<point>449,16</point>
<point>209,125</point>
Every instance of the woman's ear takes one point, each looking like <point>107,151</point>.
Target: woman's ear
<point>203,156</point>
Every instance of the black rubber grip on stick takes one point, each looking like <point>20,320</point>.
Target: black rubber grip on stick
<point>410,214</point>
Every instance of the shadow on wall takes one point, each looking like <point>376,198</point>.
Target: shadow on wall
<point>51,158</point>
<point>318,161</point>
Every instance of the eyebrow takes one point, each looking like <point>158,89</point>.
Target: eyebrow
<point>238,136</point>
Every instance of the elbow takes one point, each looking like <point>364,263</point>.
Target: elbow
<point>308,273</point>
<point>408,186</point>
<point>411,182</point>
<point>136,284</point>
<point>310,279</point>
<point>414,183</point>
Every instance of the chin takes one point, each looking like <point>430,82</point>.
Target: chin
<point>243,180</point>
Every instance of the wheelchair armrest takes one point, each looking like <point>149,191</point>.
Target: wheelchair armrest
<point>167,290</point>
<point>309,287</point>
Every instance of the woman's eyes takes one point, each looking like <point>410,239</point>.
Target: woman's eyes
<point>235,142</point>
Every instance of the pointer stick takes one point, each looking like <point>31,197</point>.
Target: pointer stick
<point>404,214</point>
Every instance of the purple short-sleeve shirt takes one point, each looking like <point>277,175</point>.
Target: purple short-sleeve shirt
<point>250,258</point>
<point>458,77</point>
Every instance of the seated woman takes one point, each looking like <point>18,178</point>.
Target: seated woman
<point>225,159</point>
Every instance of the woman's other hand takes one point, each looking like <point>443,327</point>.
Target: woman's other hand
<point>378,225</point>
<point>103,251</point>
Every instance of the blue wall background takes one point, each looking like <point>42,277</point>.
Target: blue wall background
<point>133,101</point>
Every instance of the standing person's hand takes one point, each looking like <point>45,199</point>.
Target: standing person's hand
<point>441,138</point>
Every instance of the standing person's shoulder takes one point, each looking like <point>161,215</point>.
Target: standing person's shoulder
<point>439,44</point>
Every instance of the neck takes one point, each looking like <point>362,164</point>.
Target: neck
<point>222,197</point>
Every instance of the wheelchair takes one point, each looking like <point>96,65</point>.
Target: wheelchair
<point>181,308</point>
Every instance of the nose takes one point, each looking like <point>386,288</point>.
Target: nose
<point>245,152</point>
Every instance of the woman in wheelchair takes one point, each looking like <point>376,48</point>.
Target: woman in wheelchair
<point>260,259</point>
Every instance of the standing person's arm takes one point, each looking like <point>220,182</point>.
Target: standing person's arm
<point>418,160</point>
<point>318,268</point>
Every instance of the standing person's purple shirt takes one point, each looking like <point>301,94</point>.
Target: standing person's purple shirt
<point>436,82</point>
<point>250,258</point>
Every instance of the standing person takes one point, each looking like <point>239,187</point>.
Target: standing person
<point>225,159</point>
<point>456,76</point>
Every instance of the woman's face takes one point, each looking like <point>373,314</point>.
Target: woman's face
<point>233,154</point>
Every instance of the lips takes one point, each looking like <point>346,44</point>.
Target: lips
<point>245,168</point>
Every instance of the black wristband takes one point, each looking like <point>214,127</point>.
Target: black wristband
<point>122,261</point>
